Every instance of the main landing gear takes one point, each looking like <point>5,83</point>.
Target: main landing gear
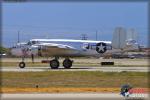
<point>67,63</point>
<point>54,64</point>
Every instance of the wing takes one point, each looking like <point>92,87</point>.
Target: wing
<point>53,49</point>
<point>54,45</point>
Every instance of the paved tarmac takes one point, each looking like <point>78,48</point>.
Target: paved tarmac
<point>72,96</point>
<point>88,68</point>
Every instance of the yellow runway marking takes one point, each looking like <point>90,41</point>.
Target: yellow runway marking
<point>59,90</point>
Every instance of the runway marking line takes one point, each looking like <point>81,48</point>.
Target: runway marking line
<point>61,90</point>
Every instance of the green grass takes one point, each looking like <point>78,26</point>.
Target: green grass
<point>73,79</point>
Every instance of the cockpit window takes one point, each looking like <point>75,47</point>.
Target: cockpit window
<point>29,43</point>
<point>85,46</point>
<point>32,42</point>
<point>14,47</point>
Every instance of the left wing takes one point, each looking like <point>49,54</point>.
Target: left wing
<point>53,49</point>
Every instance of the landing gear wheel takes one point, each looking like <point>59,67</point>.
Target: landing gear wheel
<point>67,63</point>
<point>54,64</point>
<point>22,65</point>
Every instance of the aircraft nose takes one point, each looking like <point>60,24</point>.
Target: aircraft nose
<point>12,51</point>
<point>16,52</point>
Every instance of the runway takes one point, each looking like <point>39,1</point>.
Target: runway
<point>88,68</point>
<point>72,96</point>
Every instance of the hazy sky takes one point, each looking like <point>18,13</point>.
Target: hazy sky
<point>71,19</point>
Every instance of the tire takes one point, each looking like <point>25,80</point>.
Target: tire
<point>54,64</point>
<point>67,63</point>
<point>22,65</point>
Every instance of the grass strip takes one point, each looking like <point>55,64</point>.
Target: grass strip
<point>75,79</point>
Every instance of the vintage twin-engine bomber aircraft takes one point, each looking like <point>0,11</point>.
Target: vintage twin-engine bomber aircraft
<point>72,48</point>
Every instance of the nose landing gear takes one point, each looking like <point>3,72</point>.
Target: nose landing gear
<point>22,64</point>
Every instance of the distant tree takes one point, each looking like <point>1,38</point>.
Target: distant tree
<point>4,50</point>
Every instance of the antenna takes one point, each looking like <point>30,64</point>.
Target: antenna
<point>84,37</point>
<point>18,36</point>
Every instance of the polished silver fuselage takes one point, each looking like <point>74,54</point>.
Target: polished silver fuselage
<point>78,48</point>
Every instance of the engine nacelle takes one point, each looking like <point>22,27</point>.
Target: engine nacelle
<point>101,47</point>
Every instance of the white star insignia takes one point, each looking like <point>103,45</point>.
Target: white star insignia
<point>101,47</point>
